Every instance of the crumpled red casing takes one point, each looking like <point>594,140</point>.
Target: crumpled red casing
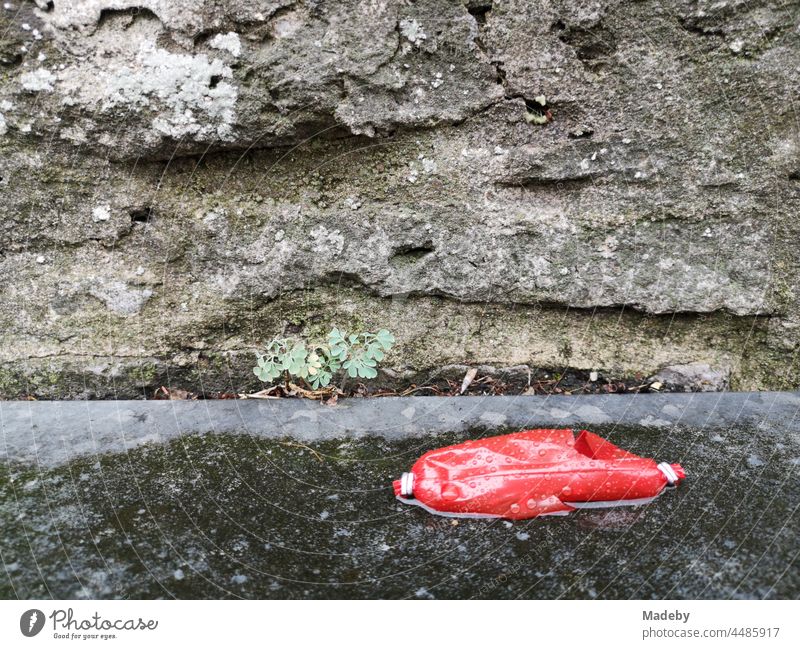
<point>532,473</point>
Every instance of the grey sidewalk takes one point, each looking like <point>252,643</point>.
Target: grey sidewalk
<point>303,506</point>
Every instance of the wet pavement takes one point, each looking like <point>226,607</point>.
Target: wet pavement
<point>281,512</point>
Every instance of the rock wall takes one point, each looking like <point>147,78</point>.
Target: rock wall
<point>566,184</point>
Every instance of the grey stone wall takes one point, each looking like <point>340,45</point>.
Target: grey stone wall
<point>562,184</point>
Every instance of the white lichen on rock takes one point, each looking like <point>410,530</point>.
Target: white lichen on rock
<point>429,166</point>
<point>38,80</point>
<point>3,127</point>
<point>79,14</point>
<point>101,213</point>
<point>189,93</point>
<point>412,31</point>
<point>229,42</point>
<point>327,242</point>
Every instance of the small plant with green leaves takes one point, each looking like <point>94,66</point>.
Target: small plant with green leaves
<point>357,354</point>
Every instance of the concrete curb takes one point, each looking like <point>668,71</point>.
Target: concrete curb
<point>53,432</point>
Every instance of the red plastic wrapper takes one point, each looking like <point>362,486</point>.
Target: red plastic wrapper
<point>533,473</point>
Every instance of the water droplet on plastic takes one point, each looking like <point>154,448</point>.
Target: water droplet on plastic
<point>566,491</point>
<point>542,451</point>
<point>515,508</point>
<point>531,504</point>
<point>450,492</point>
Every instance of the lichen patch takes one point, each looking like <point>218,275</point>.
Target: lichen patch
<point>190,95</point>
<point>229,42</point>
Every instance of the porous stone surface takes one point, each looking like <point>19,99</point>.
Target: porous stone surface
<point>607,186</point>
